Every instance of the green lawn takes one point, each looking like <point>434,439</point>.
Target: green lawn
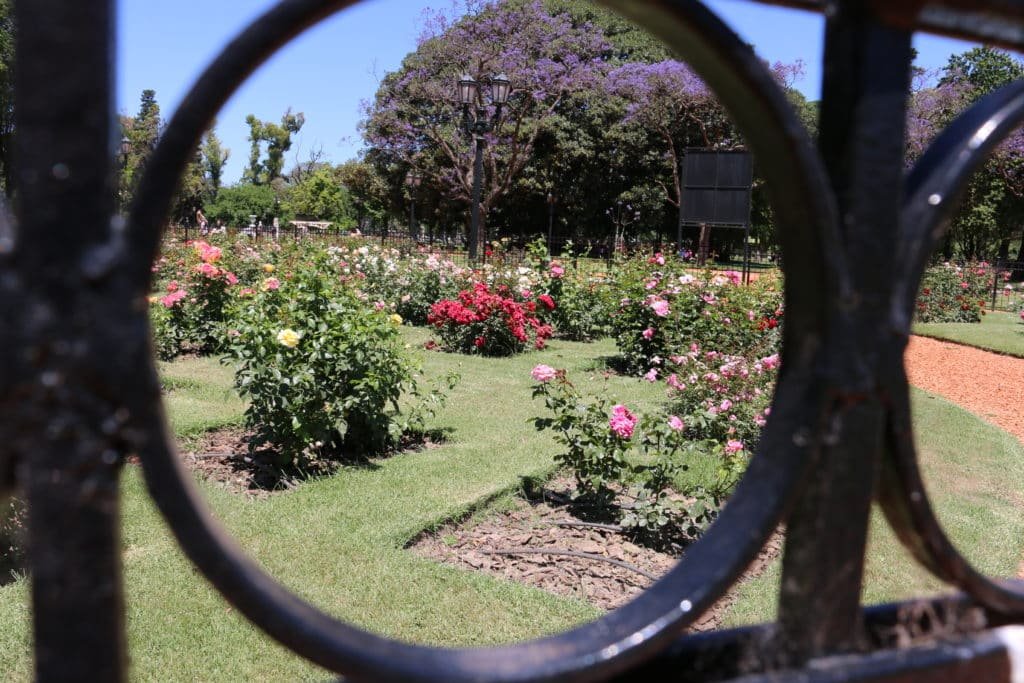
<point>338,541</point>
<point>997,331</point>
<point>974,473</point>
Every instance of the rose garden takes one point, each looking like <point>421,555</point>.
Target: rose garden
<point>488,430</point>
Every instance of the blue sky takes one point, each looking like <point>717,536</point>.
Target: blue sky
<point>327,72</point>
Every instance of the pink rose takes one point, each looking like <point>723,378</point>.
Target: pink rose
<point>733,446</point>
<point>660,307</point>
<point>556,270</point>
<point>622,421</point>
<point>676,424</point>
<point>649,332</point>
<point>651,375</point>
<point>543,373</point>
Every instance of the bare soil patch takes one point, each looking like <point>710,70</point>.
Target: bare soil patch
<point>542,542</point>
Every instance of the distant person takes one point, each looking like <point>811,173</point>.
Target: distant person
<point>201,221</point>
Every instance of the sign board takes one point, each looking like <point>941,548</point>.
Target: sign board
<point>716,187</point>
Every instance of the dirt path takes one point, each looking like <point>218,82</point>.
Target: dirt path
<point>987,384</point>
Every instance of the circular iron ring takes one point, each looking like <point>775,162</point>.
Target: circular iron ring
<point>815,276</point>
<point>934,187</point>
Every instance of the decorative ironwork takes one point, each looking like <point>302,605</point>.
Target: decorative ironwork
<point>79,392</point>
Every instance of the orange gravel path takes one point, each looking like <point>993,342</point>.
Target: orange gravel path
<point>987,384</point>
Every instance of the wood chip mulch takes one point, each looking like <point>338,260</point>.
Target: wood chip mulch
<point>542,544</point>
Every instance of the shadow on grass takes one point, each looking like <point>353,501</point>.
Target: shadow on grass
<point>228,457</point>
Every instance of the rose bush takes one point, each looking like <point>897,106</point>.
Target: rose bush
<point>190,312</point>
<point>616,454</point>
<point>491,323</point>
<point>664,309</point>
<point>954,294</point>
<point>323,372</point>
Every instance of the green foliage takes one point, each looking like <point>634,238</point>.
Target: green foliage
<point>323,372</point>
<point>984,68</point>
<point>234,205</point>
<point>367,189</point>
<point>278,140</point>
<point>214,158</point>
<point>320,196</point>
<point>7,41</point>
<point>954,294</point>
<point>585,303</point>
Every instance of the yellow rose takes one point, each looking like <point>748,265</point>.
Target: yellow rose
<point>395,318</point>
<point>154,299</point>
<point>268,267</point>
<point>288,337</point>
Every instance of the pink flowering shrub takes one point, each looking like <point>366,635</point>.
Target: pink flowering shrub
<point>723,399</point>
<point>628,464</point>
<point>954,294</point>
<point>491,323</point>
<point>663,309</point>
<point>191,308</point>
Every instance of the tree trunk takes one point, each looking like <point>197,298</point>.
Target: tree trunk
<point>1018,274</point>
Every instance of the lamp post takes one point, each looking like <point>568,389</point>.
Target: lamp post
<point>126,148</point>
<point>551,220</point>
<point>413,179</point>
<point>476,123</point>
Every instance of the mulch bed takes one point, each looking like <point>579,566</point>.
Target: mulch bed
<point>541,543</point>
<point>222,456</point>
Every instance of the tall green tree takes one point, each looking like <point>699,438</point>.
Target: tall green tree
<point>142,132</point>
<point>367,189</point>
<point>993,206</point>
<point>215,158</point>
<point>320,196</point>
<point>275,139</point>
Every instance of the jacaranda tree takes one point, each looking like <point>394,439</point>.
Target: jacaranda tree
<point>415,118</point>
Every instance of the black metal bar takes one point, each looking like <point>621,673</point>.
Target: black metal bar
<point>867,74</point>
<point>66,413</point>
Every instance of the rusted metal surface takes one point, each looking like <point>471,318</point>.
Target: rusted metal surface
<point>79,391</point>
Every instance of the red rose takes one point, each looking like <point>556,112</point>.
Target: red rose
<point>548,302</point>
<point>479,342</point>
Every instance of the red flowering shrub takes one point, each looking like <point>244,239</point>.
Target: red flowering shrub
<point>954,294</point>
<point>488,322</point>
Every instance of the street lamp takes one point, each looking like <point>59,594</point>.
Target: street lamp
<point>477,124</point>
<point>413,179</point>
<point>126,147</point>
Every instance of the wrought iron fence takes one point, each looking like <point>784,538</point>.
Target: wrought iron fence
<point>78,390</point>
